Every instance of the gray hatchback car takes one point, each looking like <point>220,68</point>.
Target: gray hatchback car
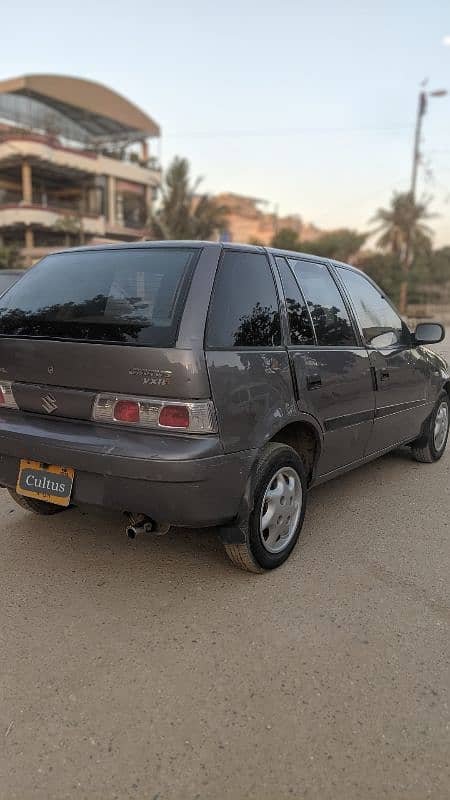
<point>200,384</point>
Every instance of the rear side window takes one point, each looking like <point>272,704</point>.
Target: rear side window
<point>244,305</point>
<point>300,327</point>
<point>130,296</point>
<point>328,312</point>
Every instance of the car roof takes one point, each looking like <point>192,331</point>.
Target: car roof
<point>147,244</point>
<point>198,244</point>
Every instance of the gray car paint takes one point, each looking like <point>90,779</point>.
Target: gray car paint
<point>202,480</point>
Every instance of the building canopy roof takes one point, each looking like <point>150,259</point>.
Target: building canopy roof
<point>98,112</point>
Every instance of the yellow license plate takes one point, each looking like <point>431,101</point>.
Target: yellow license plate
<point>45,482</point>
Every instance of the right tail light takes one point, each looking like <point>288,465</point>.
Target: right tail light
<point>197,416</point>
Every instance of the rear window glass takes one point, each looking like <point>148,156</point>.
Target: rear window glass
<point>127,296</point>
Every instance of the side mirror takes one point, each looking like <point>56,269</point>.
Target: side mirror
<point>429,333</point>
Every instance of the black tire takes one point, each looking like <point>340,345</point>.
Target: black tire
<point>252,555</point>
<point>39,507</point>
<point>424,449</point>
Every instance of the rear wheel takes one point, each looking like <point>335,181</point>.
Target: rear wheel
<point>432,444</point>
<point>279,503</point>
<point>36,506</point>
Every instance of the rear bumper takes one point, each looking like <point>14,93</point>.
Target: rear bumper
<point>183,480</point>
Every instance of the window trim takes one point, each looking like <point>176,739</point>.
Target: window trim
<point>289,342</point>
<point>399,346</point>
<point>255,348</point>
<point>359,341</point>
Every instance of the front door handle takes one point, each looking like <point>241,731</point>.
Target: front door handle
<point>313,381</point>
<point>384,374</point>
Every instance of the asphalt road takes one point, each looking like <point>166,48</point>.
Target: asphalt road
<point>155,670</point>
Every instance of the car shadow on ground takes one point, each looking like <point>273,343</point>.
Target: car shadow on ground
<point>95,536</point>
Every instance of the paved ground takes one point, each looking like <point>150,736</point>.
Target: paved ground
<point>155,670</point>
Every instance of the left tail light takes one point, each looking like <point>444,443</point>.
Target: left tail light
<point>6,395</point>
<point>156,414</point>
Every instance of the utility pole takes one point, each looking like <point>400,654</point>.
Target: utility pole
<point>421,109</point>
<point>408,253</point>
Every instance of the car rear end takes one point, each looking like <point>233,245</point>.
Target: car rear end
<point>104,391</point>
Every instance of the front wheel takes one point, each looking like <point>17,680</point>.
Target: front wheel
<point>279,504</point>
<point>432,444</point>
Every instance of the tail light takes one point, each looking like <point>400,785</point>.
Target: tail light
<point>155,414</point>
<point>174,417</point>
<point>6,395</point>
<point>127,411</point>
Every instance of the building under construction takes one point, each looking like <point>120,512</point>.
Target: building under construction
<point>75,164</point>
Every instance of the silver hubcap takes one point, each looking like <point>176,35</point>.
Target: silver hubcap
<point>441,426</point>
<point>280,510</point>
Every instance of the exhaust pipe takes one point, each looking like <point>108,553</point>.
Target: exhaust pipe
<point>140,523</point>
<point>133,530</point>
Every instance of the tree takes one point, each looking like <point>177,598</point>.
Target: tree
<point>404,218</point>
<point>71,225</point>
<point>286,239</point>
<point>439,265</point>
<point>182,213</point>
<point>342,244</point>
<point>10,257</point>
<point>403,232</point>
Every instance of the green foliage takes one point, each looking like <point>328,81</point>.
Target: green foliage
<point>286,239</point>
<point>342,244</point>
<point>182,213</point>
<point>10,257</point>
<point>439,265</point>
<point>403,218</point>
<point>430,271</point>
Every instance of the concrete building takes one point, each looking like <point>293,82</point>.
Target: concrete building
<point>247,221</point>
<point>75,165</point>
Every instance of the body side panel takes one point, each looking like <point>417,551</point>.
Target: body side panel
<point>344,401</point>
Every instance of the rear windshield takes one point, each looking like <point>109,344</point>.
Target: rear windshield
<point>129,296</point>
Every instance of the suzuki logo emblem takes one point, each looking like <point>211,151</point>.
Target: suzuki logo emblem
<point>49,404</point>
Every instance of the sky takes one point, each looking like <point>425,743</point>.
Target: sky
<point>309,106</point>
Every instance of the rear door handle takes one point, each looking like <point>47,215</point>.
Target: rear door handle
<point>384,374</point>
<point>313,381</point>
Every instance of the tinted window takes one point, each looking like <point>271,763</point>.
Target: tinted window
<point>131,295</point>
<point>329,314</point>
<point>300,327</point>
<point>244,305</point>
<point>381,325</point>
<point>6,280</point>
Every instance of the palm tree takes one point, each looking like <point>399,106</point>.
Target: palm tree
<point>402,220</point>
<point>183,213</point>
<point>404,233</point>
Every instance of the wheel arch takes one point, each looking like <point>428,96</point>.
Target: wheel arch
<point>305,438</point>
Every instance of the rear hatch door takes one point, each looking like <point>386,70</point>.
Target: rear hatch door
<point>106,320</point>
